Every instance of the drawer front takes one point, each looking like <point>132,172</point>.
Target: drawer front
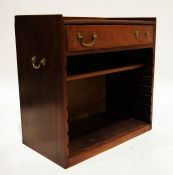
<point>85,37</point>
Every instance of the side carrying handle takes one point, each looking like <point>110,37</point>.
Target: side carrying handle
<point>39,63</point>
<point>80,39</point>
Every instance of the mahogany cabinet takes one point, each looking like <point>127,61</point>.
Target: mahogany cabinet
<point>86,84</point>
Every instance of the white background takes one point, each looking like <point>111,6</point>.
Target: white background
<point>150,153</point>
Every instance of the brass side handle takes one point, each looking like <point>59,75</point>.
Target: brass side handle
<point>81,40</point>
<point>37,64</point>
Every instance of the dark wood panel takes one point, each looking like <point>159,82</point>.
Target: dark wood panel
<point>144,89</point>
<point>121,92</point>
<point>153,71</point>
<point>42,99</point>
<point>149,60</point>
<point>145,80</point>
<point>149,70</point>
<point>145,117</point>
<point>142,107</point>
<point>146,99</point>
<point>86,97</point>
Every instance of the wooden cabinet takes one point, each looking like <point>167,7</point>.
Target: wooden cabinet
<point>86,84</point>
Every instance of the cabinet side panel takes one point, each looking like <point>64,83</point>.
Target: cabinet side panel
<point>154,52</point>
<point>42,91</point>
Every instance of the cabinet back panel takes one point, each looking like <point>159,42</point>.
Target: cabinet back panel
<point>120,92</point>
<point>86,97</point>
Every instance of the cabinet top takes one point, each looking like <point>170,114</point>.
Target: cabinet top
<point>97,20</point>
<point>94,20</point>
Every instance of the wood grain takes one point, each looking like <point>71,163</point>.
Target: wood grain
<point>83,91</point>
<point>42,101</point>
<point>108,36</point>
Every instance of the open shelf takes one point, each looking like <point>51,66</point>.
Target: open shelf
<point>108,131</point>
<point>109,100</point>
<point>84,66</point>
<point>104,72</point>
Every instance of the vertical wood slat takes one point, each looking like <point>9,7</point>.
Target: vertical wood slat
<point>144,101</point>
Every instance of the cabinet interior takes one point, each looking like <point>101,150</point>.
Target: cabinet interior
<point>108,95</point>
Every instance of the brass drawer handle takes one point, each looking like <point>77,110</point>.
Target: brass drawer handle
<point>80,39</point>
<point>137,35</point>
<point>147,35</point>
<point>37,66</point>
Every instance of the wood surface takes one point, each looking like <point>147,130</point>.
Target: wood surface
<point>112,81</point>
<point>103,139</point>
<point>42,99</point>
<point>108,36</point>
<point>80,93</point>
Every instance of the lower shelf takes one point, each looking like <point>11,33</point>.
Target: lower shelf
<point>102,139</point>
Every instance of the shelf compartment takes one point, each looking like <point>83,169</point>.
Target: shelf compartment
<point>104,72</point>
<point>84,146</point>
<point>105,102</point>
<point>89,124</point>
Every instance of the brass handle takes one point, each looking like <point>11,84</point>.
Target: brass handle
<point>137,35</point>
<point>80,38</point>
<point>37,66</point>
<point>147,35</point>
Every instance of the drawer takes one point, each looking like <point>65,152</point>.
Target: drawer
<point>85,37</point>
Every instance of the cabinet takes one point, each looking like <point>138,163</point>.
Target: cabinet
<point>86,84</point>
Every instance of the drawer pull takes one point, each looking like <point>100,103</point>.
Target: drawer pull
<point>147,35</point>
<point>37,66</point>
<point>137,36</point>
<point>80,39</point>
